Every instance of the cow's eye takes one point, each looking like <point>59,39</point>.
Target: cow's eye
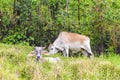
<point>36,51</point>
<point>51,49</point>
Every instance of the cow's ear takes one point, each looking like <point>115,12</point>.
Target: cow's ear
<point>59,48</point>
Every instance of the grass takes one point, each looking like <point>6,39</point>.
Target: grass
<point>15,65</point>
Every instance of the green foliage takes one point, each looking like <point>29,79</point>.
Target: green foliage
<point>38,22</point>
<point>17,38</point>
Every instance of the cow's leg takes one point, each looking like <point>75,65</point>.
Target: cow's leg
<point>64,53</point>
<point>88,50</point>
<point>67,52</point>
<point>84,52</point>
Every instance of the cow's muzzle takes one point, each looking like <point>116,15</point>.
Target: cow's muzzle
<point>37,58</point>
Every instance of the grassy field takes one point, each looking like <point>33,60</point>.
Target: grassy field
<point>16,65</point>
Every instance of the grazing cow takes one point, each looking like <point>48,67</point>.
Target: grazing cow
<point>71,41</point>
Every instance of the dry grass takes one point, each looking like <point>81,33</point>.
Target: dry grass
<point>15,65</point>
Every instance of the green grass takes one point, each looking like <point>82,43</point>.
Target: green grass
<point>16,65</point>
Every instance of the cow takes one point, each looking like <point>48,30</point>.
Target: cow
<point>67,41</point>
<point>33,53</point>
<point>39,51</point>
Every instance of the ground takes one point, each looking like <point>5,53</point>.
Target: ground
<point>16,65</point>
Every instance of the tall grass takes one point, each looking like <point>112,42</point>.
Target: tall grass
<point>15,65</point>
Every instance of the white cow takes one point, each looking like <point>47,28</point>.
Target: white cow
<point>39,51</point>
<point>71,41</point>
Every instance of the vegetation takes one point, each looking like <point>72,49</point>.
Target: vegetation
<point>27,23</point>
<point>16,65</point>
<point>38,22</point>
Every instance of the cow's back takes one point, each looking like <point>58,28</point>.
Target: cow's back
<point>68,37</point>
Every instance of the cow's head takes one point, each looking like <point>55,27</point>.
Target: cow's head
<point>54,49</point>
<point>38,52</point>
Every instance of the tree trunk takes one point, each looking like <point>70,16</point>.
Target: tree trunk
<point>66,5</point>
<point>14,6</point>
<point>79,12</point>
<point>38,8</point>
<point>14,11</point>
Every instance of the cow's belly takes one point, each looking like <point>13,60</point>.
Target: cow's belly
<point>75,46</point>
